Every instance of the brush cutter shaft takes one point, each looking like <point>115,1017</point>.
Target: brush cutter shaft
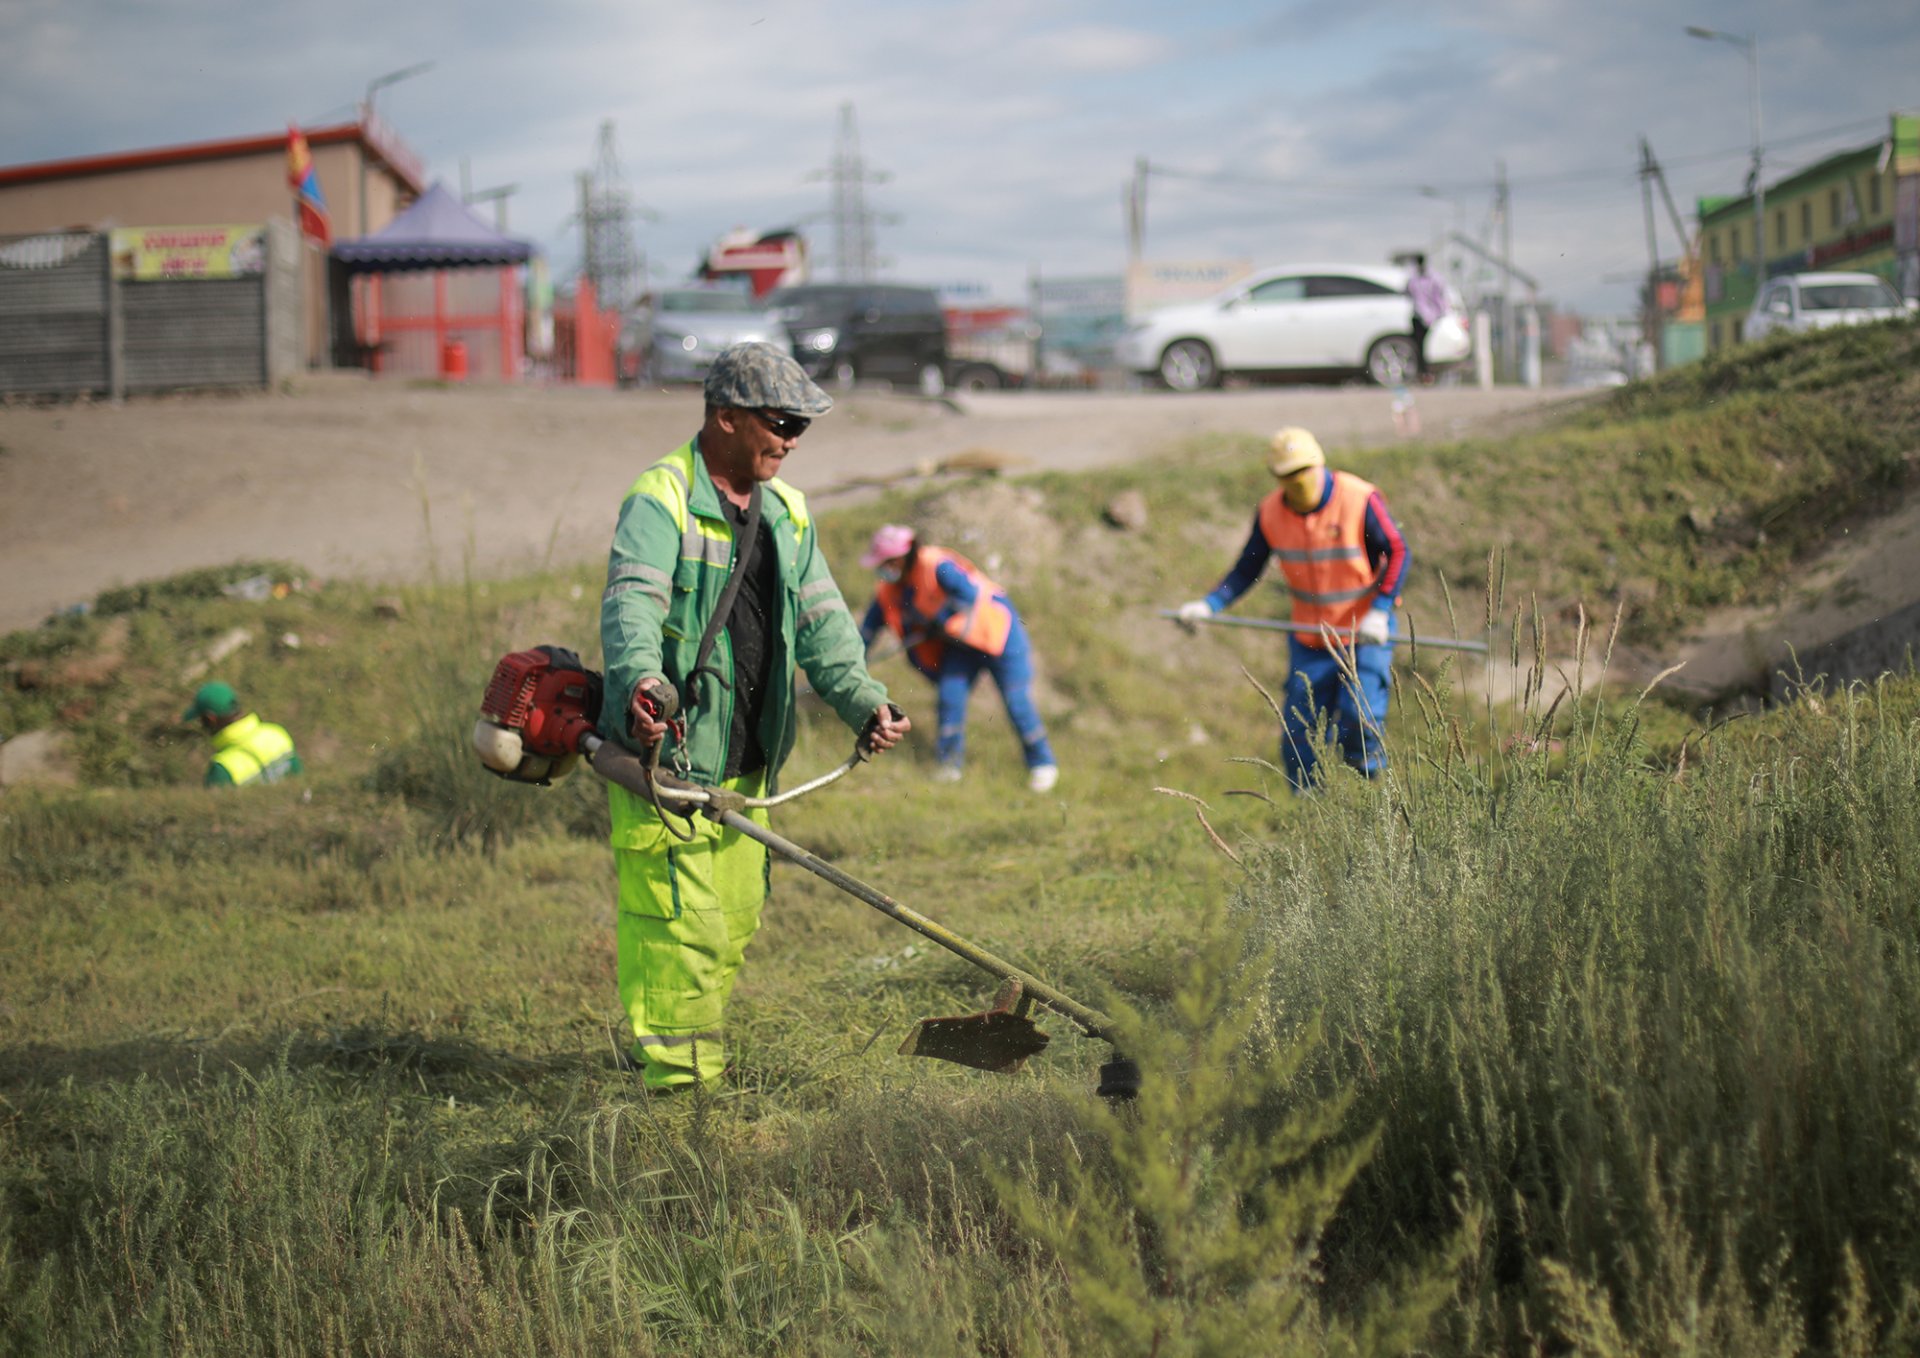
<point>620,765</point>
<point>1308,629</point>
<point>1090,1021</point>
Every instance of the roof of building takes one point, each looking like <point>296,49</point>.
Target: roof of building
<point>380,144</point>
<point>1721,206</point>
<point>437,232</point>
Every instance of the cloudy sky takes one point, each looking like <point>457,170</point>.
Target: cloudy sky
<point>1288,131</point>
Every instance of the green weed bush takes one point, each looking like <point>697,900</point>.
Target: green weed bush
<point>1197,1231</point>
<point>1644,1018</point>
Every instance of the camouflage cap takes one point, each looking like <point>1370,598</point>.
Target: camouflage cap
<point>756,376</point>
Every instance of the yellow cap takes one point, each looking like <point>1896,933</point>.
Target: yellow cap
<point>1293,450</point>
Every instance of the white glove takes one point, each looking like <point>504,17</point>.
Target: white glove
<point>1373,629</point>
<point>1196,611</point>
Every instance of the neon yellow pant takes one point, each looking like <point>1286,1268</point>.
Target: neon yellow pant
<point>687,912</point>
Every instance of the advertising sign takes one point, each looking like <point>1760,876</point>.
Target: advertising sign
<point>1152,284</point>
<point>148,253</point>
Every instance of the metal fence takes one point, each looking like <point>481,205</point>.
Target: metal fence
<point>69,326</point>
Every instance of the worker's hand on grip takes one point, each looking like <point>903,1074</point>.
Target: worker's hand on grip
<point>1375,628</point>
<point>886,728</point>
<point>653,702</point>
<point>1199,610</point>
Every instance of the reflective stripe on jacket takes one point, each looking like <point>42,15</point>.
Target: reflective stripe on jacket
<point>1324,554</point>
<point>250,750</point>
<point>912,605</point>
<point>672,551</point>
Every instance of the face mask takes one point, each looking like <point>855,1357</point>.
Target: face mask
<point>1300,492</point>
<point>889,574</point>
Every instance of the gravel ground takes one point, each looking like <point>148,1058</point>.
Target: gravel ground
<point>351,477</point>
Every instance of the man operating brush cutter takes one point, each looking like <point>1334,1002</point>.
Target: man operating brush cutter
<point>540,717</point>
<point>716,592</point>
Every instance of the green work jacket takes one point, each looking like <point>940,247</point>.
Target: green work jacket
<point>251,751</point>
<point>672,551</point>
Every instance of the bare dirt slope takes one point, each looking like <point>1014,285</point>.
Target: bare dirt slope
<point>1864,577</point>
<point>344,475</point>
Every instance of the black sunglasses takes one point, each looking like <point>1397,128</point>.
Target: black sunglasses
<point>785,425</point>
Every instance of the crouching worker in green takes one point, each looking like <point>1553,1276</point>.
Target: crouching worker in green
<point>716,586</point>
<point>245,749</point>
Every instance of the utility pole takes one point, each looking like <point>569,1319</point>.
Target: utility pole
<point>1136,203</point>
<point>1756,177</point>
<point>1650,317</point>
<point>1503,206</point>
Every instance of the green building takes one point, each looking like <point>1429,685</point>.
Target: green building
<point>1857,211</point>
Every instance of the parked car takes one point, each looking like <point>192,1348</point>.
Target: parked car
<point>1813,301</point>
<point>1337,319</point>
<point>844,333</point>
<point>674,334</point>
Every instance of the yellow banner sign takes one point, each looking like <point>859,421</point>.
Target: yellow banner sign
<point>149,253</point>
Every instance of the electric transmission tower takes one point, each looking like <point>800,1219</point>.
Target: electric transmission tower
<point>608,213</point>
<point>847,174</point>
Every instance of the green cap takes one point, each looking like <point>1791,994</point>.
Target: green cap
<point>215,699</point>
<point>756,376</point>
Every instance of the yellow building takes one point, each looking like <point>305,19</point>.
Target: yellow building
<point>1856,210</point>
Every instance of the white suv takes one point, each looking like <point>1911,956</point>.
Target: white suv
<point>1814,301</point>
<point>1331,318</point>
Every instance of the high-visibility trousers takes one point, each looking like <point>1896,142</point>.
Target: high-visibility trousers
<point>687,912</point>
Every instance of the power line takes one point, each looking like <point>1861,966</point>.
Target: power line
<point>1616,174</point>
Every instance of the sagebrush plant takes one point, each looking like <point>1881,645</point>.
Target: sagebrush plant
<point>1660,1017</point>
<point>1196,1231</point>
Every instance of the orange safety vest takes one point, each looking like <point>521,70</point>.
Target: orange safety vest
<point>984,625</point>
<point>1324,555</point>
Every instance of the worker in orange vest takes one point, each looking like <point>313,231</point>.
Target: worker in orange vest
<point>1344,562</point>
<point>956,623</point>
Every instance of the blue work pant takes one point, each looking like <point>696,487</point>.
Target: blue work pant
<point>1319,693</point>
<point>1012,670</point>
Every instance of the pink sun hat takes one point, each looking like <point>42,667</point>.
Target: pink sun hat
<point>889,541</point>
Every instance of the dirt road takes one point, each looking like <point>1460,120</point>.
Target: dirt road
<point>344,475</point>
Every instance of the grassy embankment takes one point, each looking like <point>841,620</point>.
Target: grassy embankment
<point>1615,1050</point>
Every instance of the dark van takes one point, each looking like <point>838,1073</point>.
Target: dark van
<point>855,332</point>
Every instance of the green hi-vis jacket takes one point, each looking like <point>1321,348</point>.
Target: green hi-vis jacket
<point>672,551</point>
<point>250,750</point>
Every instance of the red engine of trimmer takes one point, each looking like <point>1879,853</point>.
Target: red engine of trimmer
<point>538,707</point>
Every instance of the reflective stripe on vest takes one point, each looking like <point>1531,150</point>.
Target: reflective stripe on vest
<point>707,540</point>
<point>253,750</point>
<point>984,625</point>
<point>1324,554</point>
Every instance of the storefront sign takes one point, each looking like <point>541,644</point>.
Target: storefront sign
<point>149,253</point>
<point>1152,284</point>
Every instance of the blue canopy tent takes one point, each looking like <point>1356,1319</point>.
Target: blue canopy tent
<point>435,285</point>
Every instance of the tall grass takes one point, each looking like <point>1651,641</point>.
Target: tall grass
<point>1663,1022</point>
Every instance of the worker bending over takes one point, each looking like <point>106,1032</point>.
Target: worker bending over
<point>716,585</point>
<point>246,750</point>
<point>955,623</point>
<point>1344,561</point>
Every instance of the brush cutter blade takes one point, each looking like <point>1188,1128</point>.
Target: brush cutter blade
<point>994,1040</point>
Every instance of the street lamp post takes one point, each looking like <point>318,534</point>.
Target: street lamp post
<point>1750,44</point>
<point>374,86</point>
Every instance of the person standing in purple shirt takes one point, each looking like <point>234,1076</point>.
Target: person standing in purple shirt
<point>1430,305</point>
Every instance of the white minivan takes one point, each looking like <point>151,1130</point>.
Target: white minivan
<point>1337,319</point>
